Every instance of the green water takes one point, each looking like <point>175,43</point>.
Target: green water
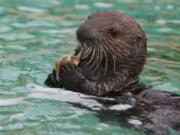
<point>34,33</point>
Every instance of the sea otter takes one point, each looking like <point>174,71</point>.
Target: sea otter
<point>110,56</point>
<point>113,53</point>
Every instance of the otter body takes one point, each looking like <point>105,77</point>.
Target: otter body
<point>110,56</point>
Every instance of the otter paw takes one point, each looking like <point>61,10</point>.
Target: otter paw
<point>71,76</point>
<point>74,60</point>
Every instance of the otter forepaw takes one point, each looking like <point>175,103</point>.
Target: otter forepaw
<point>70,69</point>
<point>71,76</point>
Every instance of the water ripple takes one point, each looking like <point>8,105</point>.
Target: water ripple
<point>10,101</point>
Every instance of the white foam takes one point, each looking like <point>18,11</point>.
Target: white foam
<point>11,101</point>
<point>134,122</point>
<point>165,30</point>
<point>161,21</point>
<point>103,5</point>
<point>37,91</point>
<point>16,116</point>
<point>120,107</point>
<point>16,36</point>
<point>128,1</point>
<point>175,21</point>
<point>83,7</point>
<point>31,9</point>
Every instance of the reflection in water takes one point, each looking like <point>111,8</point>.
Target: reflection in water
<point>35,33</point>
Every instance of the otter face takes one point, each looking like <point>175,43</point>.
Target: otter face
<point>114,41</point>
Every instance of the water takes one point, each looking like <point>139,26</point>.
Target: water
<point>34,33</point>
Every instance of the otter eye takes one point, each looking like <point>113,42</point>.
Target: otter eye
<point>113,32</point>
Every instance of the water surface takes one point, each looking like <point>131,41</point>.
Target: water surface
<point>34,33</point>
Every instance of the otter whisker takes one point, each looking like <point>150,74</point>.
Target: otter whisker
<point>92,55</point>
<point>111,53</point>
<point>93,60</point>
<point>98,59</point>
<point>105,55</point>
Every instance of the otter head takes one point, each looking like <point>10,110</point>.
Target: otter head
<point>112,42</point>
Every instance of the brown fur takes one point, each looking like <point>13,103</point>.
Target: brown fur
<point>113,54</point>
<point>110,56</point>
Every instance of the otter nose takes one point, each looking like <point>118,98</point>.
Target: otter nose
<point>86,33</point>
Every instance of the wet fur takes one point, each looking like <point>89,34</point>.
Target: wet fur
<point>113,54</point>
